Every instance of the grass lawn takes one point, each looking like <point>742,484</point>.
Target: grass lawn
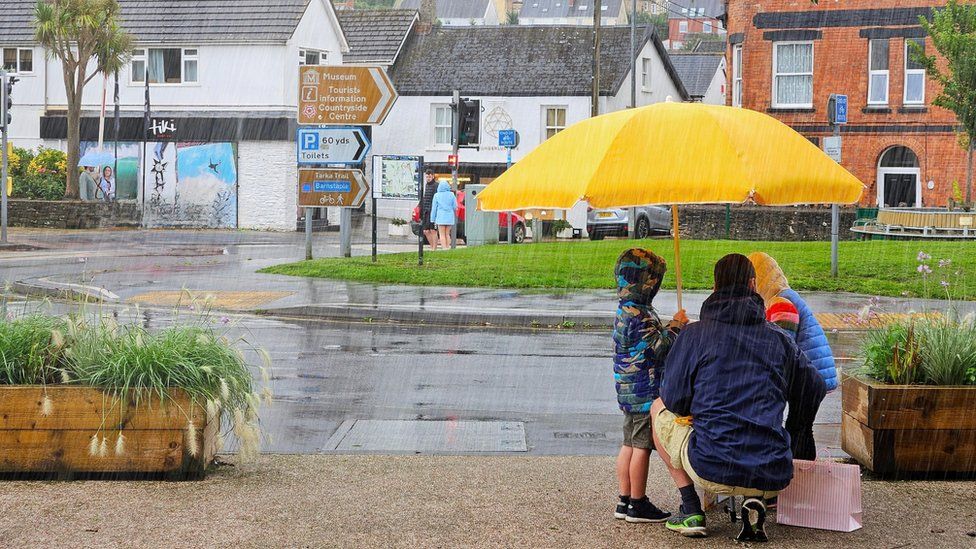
<point>887,268</point>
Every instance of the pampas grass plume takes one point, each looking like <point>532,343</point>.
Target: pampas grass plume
<point>224,390</point>
<point>192,445</point>
<point>120,445</point>
<point>47,406</point>
<point>93,445</point>
<point>103,447</point>
<point>267,396</point>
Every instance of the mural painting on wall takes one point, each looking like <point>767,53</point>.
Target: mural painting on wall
<point>190,185</point>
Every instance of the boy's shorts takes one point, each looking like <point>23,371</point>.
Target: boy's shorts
<point>637,430</point>
<point>675,436</point>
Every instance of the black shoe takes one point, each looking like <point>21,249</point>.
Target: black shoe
<point>642,510</point>
<point>753,521</point>
<point>621,511</point>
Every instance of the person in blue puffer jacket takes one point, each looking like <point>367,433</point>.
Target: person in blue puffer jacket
<point>443,213</point>
<point>786,309</point>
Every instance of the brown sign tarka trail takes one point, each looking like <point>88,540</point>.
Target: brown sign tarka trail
<point>358,96</point>
<point>331,187</point>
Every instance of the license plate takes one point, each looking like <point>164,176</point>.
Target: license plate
<point>605,214</point>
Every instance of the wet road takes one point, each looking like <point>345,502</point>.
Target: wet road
<point>474,387</point>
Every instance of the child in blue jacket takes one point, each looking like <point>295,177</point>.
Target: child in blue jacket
<point>641,343</point>
<point>443,213</point>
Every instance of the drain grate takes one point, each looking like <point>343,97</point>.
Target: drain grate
<point>372,435</point>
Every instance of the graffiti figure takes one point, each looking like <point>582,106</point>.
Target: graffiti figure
<point>213,166</point>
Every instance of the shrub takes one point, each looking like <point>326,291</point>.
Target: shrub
<point>39,187</point>
<point>948,351</point>
<point>937,351</point>
<point>398,221</point>
<point>48,162</point>
<point>30,350</point>
<point>891,354</point>
<point>24,157</point>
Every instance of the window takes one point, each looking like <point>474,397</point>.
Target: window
<point>737,76</point>
<point>878,72</point>
<point>683,27</point>
<point>914,74</point>
<point>165,65</point>
<point>707,27</point>
<point>441,116</point>
<point>646,74</point>
<point>19,60</point>
<point>793,74</point>
<point>554,122</point>
<point>312,57</point>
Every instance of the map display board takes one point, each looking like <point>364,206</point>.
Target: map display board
<point>397,177</point>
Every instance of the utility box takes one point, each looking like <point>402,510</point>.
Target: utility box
<point>479,227</point>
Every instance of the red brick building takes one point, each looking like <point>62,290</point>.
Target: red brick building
<point>787,56</point>
<point>693,17</point>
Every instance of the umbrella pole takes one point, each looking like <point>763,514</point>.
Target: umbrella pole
<point>677,252</point>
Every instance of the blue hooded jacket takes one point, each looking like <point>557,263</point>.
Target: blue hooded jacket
<point>735,373</point>
<point>442,210</point>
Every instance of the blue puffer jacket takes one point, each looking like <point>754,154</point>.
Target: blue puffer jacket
<point>812,340</point>
<point>442,211</point>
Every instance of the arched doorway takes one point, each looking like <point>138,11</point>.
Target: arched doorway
<point>899,179</point>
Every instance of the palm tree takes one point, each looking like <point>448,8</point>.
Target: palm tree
<point>78,32</point>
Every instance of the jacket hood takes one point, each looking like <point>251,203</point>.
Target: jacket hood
<point>639,274</point>
<point>444,186</point>
<point>770,280</point>
<point>735,305</point>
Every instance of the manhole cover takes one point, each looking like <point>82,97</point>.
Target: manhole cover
<point>370,435</point>
<point>579,434</point>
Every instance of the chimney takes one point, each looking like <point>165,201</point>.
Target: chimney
<point>428,16</point>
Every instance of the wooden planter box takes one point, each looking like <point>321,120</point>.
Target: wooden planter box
<point>910,429</point>
<point>155,433</point>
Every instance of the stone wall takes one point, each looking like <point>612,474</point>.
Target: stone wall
<point>763,223</point>
<point>72,214</point>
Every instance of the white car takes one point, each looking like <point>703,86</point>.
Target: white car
<point>650,220</point>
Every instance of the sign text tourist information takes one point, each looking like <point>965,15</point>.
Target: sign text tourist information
<point>332,145</point>
<point>340,188</point>
<point>356,96</point>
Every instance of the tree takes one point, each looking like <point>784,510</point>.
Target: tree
<point>953,33</point>
<point>658,21</point>
<point>511,17</point>
<point>79,33</point>
<point>692,40</point>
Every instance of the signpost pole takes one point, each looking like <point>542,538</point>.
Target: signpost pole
<point>508,164</point>
<point>345,232</point>
<point>308,234</point>
<point>835,228</point>
<point>374,229</point>
<point>420,235</point>
<point>454,168</point>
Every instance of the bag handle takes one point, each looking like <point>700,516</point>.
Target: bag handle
<point>826,454</point>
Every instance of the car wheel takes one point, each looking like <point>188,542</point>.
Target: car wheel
<point>597,236</point>
<point>643,228</point>
<point>518,233</point>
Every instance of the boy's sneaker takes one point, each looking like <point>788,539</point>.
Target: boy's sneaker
<point>753,521</point>
<point>642,510</point>
<point>621,511</point>
<point>690,525</point>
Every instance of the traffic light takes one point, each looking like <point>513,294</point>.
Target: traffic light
<point>469,122</point>
<point>7,101</point>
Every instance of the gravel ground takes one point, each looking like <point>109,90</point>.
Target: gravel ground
<point>427,501</point>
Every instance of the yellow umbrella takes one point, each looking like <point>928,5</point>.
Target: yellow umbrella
<point>673,153</point>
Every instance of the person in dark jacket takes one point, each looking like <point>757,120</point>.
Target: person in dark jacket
<point>426,205</point>
<point>640,343</point>
<point>719,421</point>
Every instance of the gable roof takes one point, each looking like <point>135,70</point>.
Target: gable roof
<point>696,71</point>
<point>453,9</point>
<point>514,60</point>
<point>711,46</point>
<point>550,9</point>
<point>187,21</point>
<point>375,36</point>
<point>697,9</point>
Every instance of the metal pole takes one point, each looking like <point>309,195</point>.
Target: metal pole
<point>345,232</point>
<point>421,185</point>
<point>834,227</point>
<point>308,234</point>
<point>597,17</point>
<point>454,168</point>
<point>374,229</point>
<point>3,182</point>
<point>508,165</point>
<point>633,54</point>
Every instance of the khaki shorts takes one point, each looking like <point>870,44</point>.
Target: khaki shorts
<point>637,431</point>
<point>675,437</point>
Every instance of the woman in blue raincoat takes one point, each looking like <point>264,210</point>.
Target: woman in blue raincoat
<point>443,212</point>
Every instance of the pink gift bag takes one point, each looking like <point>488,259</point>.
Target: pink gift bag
<point>823,495</point>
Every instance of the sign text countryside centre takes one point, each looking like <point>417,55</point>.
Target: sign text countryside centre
<point>358,96</point>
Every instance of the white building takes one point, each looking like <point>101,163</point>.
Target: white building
<point>223,81</point>
<point>536,80</point>
<point>703,75</point>
<point>572,12</point>
<point>461,13</point>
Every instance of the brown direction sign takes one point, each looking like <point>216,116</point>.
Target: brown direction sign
<point>342,188</point>
<point>357,96</point>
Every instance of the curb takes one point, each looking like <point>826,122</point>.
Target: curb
<point>451,317</point>
<point>62,290</point>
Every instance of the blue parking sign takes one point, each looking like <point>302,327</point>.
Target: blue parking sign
<point>840,109</point>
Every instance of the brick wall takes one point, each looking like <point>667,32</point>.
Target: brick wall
<point>762,223</point>
<point>841,66</point>
<point>72,214</point>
